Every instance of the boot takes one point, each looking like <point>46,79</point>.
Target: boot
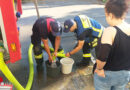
<point>39,61</point>
<point>39,68</point>
<point>84,62</point>
<point>37,49</point>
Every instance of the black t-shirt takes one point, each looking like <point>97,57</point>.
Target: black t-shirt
<point>41,28</point>
<point>119,57</point>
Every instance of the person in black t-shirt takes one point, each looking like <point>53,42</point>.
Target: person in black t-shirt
<point>44,29</point>
<point>112,70</point>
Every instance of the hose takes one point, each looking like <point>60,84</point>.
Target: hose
<point>31,72</point>
<point>11,78</point>
<point>8,74</point>
<point>5,70</point>
<point>58,54</point>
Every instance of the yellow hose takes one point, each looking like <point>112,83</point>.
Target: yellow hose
<point>11,78</point>
<point>8,74</point>
<point>31,72</point>
<point>58,54</point>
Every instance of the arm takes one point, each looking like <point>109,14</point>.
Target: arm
<point>80,45</point>
<point>100,64</point>
<point>57,43</point>
<point>81,40</point>
<point>45,41</point>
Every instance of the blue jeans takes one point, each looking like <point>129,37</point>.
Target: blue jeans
<point>114,80</point>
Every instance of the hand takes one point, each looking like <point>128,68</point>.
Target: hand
<point>67,54</point>
<point>100,73</point>
<point>55,54</point>
<point>50,59</point>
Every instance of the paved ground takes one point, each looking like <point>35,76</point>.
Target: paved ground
<point>61,10</point>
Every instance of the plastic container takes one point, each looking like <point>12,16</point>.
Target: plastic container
<point>53,72</point>
<point>67,64</point>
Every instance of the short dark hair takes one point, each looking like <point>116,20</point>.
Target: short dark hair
<point>116,7</point>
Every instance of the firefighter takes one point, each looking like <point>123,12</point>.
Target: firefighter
<point>45,29</point>
<point>88,31</point>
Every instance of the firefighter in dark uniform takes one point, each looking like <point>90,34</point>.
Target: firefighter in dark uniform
<point>45,29</point>
<point>88,32</point>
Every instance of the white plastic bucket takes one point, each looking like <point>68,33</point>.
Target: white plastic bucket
<point>67,64</point>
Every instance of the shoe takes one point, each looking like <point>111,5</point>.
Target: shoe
<point>83,63</point>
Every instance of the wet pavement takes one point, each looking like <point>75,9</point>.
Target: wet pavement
<point>79,79</point>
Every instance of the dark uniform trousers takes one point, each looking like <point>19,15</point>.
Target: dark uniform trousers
<point>87,47</point>
<point>37,48</point>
